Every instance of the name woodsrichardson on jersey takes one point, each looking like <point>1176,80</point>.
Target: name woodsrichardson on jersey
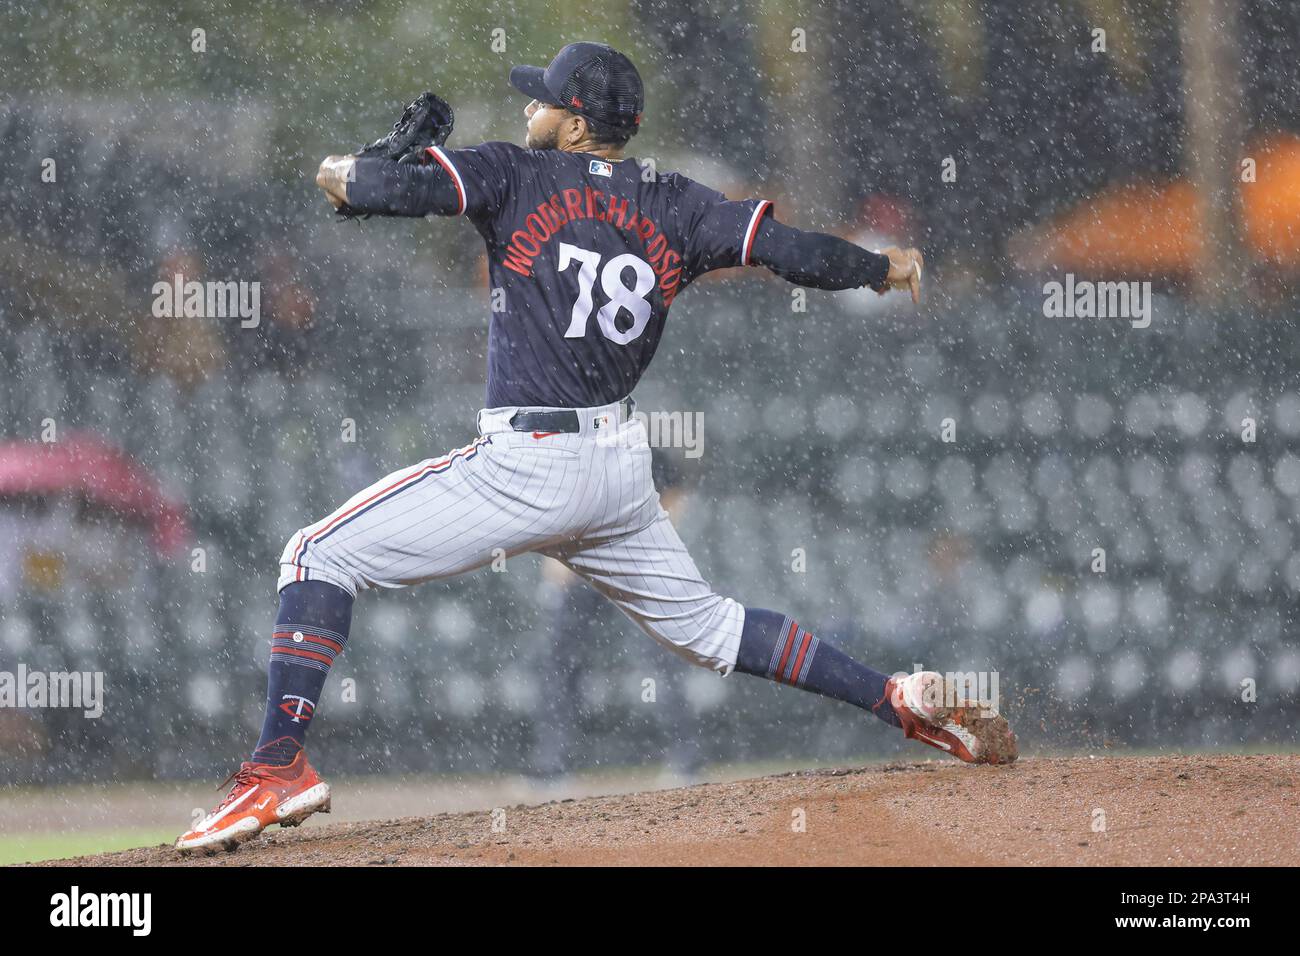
<point>586,204</point>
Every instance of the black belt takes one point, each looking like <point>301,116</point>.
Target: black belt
<point>566,421</point>
<point>561,420</point>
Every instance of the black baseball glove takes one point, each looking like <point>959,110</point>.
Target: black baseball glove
<point>428,121</point>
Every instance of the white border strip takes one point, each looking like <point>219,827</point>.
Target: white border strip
<point>761,208</point>
<point>448,165</point>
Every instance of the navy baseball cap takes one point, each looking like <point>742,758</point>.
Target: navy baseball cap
<point>590,79</point>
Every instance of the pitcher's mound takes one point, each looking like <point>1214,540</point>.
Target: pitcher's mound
<point>1201,810</point>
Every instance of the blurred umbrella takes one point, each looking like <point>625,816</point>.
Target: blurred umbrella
<point>85,466</point>
<point>1146,230</point>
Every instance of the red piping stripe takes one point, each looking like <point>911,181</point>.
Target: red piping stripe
<point>420,471</point>
<point>798,661</point>
<point>327,641</point>
<point>445,163</point>
<point>752,231</point>
<point>789,646</point>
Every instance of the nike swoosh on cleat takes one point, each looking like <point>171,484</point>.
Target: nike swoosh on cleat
<point>211,822</point>
<point>934,740</point>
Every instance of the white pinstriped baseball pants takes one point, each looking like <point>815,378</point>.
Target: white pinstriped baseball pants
<point>586,499</point>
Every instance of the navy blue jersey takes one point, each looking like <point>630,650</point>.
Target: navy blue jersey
<point>585,259</point>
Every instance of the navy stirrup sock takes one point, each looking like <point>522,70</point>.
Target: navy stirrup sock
<point>310,631</point>
<point>776,647</point>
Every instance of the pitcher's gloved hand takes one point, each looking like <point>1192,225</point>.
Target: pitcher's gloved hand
<point>427,121</point>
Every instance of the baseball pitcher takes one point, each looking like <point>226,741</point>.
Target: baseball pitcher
<point>586,257</point>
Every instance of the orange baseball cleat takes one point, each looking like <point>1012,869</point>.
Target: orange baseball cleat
<point>931,713</point>
<point>261,795</point>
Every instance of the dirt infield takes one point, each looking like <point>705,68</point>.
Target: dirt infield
<point>1172,810</point>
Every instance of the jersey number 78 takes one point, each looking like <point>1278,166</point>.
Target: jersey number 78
<point>611,282</point>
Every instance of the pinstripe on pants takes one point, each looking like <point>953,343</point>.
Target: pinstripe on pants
<point>586,499</point>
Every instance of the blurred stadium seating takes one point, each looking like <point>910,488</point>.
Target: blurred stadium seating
<point>822,432</point>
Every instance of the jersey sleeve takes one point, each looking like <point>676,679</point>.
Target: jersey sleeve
<point>484,175</point>
<point>719,231</point>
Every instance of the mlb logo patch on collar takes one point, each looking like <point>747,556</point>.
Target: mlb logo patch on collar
<point>599,167</point>
<point>600,421</point>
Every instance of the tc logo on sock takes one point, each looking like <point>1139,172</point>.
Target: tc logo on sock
<point>300,712</point>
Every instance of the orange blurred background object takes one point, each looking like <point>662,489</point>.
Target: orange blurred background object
<point>1156,230</point>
